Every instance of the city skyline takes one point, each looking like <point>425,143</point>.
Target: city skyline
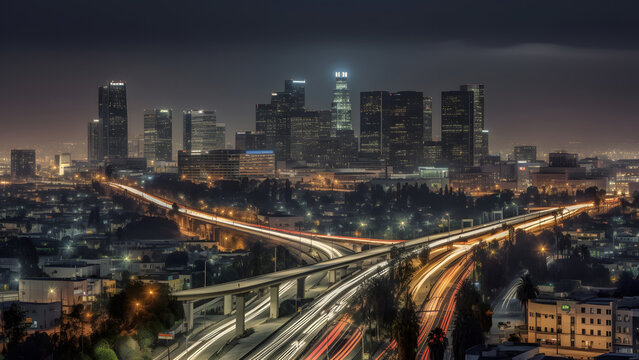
<point>536,79</point>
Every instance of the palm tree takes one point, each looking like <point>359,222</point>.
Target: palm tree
<point>405,329</point>
<point>526,290</point>
<point>437,343</point>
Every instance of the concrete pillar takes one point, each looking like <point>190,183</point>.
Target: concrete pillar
<point>275,301</point>
<point>228,304</point>
<point>331,276</point>
<point>300,288</point>
<point>239,314</point>
<point>188,314</point>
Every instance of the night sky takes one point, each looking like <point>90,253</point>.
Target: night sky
<point>559,74</point>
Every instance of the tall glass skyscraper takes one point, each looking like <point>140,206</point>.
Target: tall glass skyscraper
<point>158,135</point>
<point>112,110</point>
<point>200,131</point>
<point>374,109</point>
<point>480,150</point>
<point>93,141</point>
<point>457,128</point>
<point>428,118</point>
<point>341,105</point>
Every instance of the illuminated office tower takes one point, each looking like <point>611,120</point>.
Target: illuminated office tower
<point>458,128</point>
<point>374,108</point>
<point>200,131</point>
<point>93,141</point>
<point>428,118</point>
<point>478,121</point>
<point>158,135</point>
<point>274,119</point>
<point>405,131</point>
<point>112,110</point>
<point>23,163</point>
<point>305,128</point>
<point>341,106</point>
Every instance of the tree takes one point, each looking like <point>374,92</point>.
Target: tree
<point>14,324</point>
<point>526,290</point>
<point>406,329</point>
<point>437,343</point>
<point>424,254</point>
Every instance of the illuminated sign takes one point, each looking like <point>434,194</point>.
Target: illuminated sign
<point>341,74</point>
<point>299,81</point>
<point>522,168</point>
<point>273,94</point>
<point>258,152</point>
<point>565,307</point>
<point>164,111</point>
<point>116,84</point>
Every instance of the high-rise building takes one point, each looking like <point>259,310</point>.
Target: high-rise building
<point>305,127</point>
<point>158,135</point>
<point>136,146</point>
<point>93,141</point>
<point>220,134</point>
<point>526,153</point>
<point>428,118</point>
<point>112,110</point>
<point>406,131</point>
<point>298,93</point>
<point>478,120</point>
<point>341,105</point>
<point>200,131</point>
<point>374,108</point>
<point>392,128</point>
<point>458,128</point>
<point>23,163</point>
<point>432,153</point>
<point>274,119</point>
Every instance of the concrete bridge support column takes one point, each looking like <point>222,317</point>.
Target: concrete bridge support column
<point>300,288</point>
<point>275,301</point>
<point>240,300</point>
<point>188,314</point>
<point>228,304</point>
<point>332,277</point>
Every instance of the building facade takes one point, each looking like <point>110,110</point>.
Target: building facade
<point>480,143</point>
<point>200,131</point>
<point>23,163</point>
<point>226,164</point>
<point>341,106</point>
<point>458,134</point>
<point>526,153</point>
<point>93,141</point>
<point>112,110</point>
<point>158,135</point>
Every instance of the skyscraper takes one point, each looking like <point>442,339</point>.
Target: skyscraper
<point>458,128</point>
<point>374,108</point>
<point>341,105</point>
<point>274,119</point>
<point>406,131</point>
<point>305,127</point>
<point>392,128</point>
<point>200,131</point>
<point>93,141</point>
<point>23,163</point>
<point>220,134</point>
<point>158,135</point>
<point>298,93</point>
<point>478,121</point>
<point>112,110</point>
<point>428,118</point>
